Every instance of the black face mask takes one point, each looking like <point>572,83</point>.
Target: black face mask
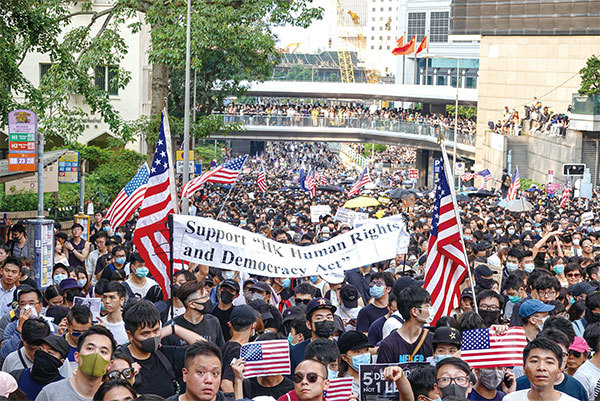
<point>484,283</point>
<point>489,316</point>
<point>206,306</point>
<point>454,390</point>
<point>226,297</point>
<point>591,317</point>
<point>324,329</point>
<point>174,289</point>
<point>45,367</point>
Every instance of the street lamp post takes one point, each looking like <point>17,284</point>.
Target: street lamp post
<point>456,121</point>
<point>186,120</point>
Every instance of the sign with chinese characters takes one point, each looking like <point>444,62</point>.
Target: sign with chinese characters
<point>68,167</point>
<point>22,135</point>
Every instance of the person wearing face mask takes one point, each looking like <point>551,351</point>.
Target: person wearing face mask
<point>138,281</point>
<point>452,378</point>
<point>410,343</point>
<point>79,319</point>
<point>197,316</point>
<point>488,379</point>
<point>261,298</point>
<point>228,291</point>
<point>534,313</point>
<point>354,351</point>
<point>320,321</point>
<point>446,343</point>
<point>528,263</point>
<point>490,305</point>
<point>422,383</point>
<point>379,290</point>
<point>484,278</point>
<point>327,352</point>
<point>59,273</point>
<point>49,357</point>
<point>94,352</point>
<point>161,369</point>
<point>514,290</point>
<point>119,262</point>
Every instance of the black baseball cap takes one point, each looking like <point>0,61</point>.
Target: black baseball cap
<point>352,341</point>
<point>261,286</point>
<point>58,343</point>
<point>229,283</point>
<point>349,295</point>
<point>484,271</point>
<point>292,313</point>
<point>261,307</point>
<point>319,303</point>
<point>447,335</point>
<point>243,315</point>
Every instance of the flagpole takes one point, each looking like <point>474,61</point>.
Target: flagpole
<point>450,178</point>
<point>171,261</point>
<point>172,184</point>
<point>230,189</point>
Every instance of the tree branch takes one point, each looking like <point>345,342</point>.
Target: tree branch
<point>95,14</point>
<point>100,31</point>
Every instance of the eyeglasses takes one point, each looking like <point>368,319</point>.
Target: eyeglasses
<point>443,382</point>
<point>492,308</point>
<point>311,377</point>
<point>548,293</point>
<point>380,283</point>
<point>573,274</point>
<point>126,374</point>
<point>302,301</point>
<point>576,354</point>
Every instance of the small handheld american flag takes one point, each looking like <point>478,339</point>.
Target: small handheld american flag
<point>340,389</point>
<point>483,348</point>
<point>266,358</point>
<point>362,180</point>
<point>129,199</point>
<point>261,180</point>
<point>226,173</point>
<point>515,185</point>
<point>566,193</point>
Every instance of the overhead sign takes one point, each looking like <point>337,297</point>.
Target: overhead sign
<point>573,169</point>
<point>68,167</point>
<point>22,135</point>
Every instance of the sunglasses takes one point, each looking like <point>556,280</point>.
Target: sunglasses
<point>576,354</point>
<point>302,301</point>
<point>126,374</point>
<point>310,377</point>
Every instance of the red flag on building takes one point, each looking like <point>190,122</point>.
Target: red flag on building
<point>406,49</point>
<point>422,46</point>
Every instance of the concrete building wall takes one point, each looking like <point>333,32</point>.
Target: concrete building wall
<point>514,69</point>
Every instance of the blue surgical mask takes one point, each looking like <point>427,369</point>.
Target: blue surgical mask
<point>514,298</point>
<point>376,291</point>
<point>228,274</point>
<point>467,238</point>
<point>361,359</point>
<point>290,339</point>
<point>313,279</point>
<point>120,235</point>
<point>511,267</point>
<point>331,374</point>
<point>438,358</point>
<point>121,260</point>
<point>141,272</point>
<point>558,269</point>
<point>59,277</point>
<point>106,229</point>
<point>286,282</point>
<point>511,231</point>
<point>571,301</point>
<point>82,282</point>
<point>528,267</point>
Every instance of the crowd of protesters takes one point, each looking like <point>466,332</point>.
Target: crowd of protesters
<point>543,120</point>
<point>539,270</point>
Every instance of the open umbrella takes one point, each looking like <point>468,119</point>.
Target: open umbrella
<point>399,193</point>
<point>502,203</point>
<point>482,193</point>
<point>361,201</point>
<point>329,188</point>
<point>519,205</point>
<point>463,198</point>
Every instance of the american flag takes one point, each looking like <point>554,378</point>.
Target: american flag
<point>226,173</point>
<point>362,181</point>
<point>566,193</point>
<point>487,176</point>
<point>323,180</point>
<point>263,358</point>
<point>261,180</point>
<point>310,184</point>
<point>151,235</point>
<point>468,176</point>
<point>483,348</point>
<point>340,389</point>
<point>129,199</point>
<point>446,262</point>
<point>515,185</point>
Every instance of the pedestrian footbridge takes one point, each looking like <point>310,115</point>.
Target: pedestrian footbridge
<point>333,129</point>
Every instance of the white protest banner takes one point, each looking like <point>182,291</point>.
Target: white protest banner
<point>348,216</point>
<point>214,243</point>
<point>318,211</point>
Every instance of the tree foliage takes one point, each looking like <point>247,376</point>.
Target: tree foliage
<point>590,77</point>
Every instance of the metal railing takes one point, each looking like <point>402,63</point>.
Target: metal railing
<point>374,123</point>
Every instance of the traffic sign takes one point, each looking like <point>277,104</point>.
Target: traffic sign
<point>413,173</point>
<point>460,169</point>
<point>22,130</point>
<point>573,169</point>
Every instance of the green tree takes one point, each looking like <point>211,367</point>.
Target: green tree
<point>590,77</point>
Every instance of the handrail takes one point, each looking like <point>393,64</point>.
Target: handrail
<point>374,123</point>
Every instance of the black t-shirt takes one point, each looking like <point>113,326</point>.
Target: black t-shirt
<point>223,316</point>
<point>395,349</point>
<point>154,377</point>
<point>253,389</point>
<point>367,316</point>
<point>231,350</point>
<point>209,328</point>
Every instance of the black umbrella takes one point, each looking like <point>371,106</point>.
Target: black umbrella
<point>482,193</point>
<point>400,193</point>
<point>463,198</point>
<point>329,188</point>
<point>348,181</point>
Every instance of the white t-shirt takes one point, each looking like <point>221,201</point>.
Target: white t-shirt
<point>588,375</point>
<point>391,324</point>
<point>118,332</point>
<point>521,395</point>
<point>143,290</point>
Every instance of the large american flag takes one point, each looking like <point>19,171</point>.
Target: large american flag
<point>151,235</point>
<point>446,262</point>
<point>362,181</point>
<point>340,389</point>
<point>129,199</point>
<point>226,173</point>
<point>483,348</point>
<point>515,185</point>
<point>487,176</point>
<point>566,193</point>
<point>261,180</point>
<point>264,358</point>
<point>311,184</point>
